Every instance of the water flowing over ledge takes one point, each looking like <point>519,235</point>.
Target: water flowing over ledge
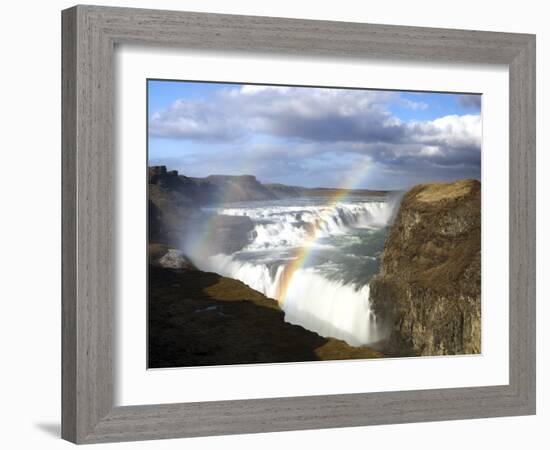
<point>301,253</point>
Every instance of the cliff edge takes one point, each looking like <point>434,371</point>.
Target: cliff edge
<point>428,289</point>
<point>200,319</point>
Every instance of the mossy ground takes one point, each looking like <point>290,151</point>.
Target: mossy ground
<point>200,319</point>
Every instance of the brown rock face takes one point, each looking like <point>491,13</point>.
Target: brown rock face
<point>175,215</point>
<point>428,289</point>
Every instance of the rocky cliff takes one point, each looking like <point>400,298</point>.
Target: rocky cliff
<point>428,289</point>
<point>175,214</point>
<point>218,189</point>
<point>237,188</point>
<point>214,189</point>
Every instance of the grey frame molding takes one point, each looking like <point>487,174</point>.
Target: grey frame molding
<point>89,37</point>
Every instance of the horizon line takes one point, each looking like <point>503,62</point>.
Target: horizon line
<point>167,170</point>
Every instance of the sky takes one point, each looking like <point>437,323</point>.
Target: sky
<point>314,137</point>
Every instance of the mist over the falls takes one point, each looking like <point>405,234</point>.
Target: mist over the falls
<point>314,256</point>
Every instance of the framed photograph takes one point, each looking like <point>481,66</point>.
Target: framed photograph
<point>267,222</point>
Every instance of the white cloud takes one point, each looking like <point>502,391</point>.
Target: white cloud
<point>453,130</point>
<point>254,89</point>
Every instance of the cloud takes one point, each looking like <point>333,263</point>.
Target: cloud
<point>313,114</point>
<point>457,139</point>
<point>470,101</point>
<point>318,128</point>
<point>410,104</point>
<point>200,120</point>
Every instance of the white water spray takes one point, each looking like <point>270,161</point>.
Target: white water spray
<point>280,226</point>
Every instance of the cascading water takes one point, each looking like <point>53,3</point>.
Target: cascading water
<point>316,257</point>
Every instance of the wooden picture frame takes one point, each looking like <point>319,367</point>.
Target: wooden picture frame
<point>90,34</point>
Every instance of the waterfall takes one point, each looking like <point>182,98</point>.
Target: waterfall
<point>329,307</point>
<point>288,226</point>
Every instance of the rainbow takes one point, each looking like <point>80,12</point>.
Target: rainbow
<point>201,241</point>
<point>301,254</point>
